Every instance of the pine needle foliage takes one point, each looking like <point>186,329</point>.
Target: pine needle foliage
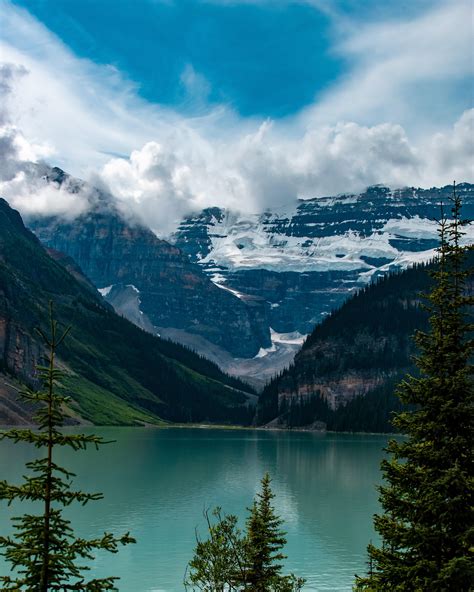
<point>427,524</point>
<point>232,561</point>
<point>44,553</point>
<point>265,541</point>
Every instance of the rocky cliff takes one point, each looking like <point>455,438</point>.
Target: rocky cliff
<point>307,258</point>
<point>346,372</point>
<point>115,372</point>
<point>363,347</point>
<point>170,291</point>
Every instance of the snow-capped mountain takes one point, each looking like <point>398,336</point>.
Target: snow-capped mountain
<point>245,290</point>
<point>305,260</point>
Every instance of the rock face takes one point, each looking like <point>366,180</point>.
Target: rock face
<point>306,260</point>
<point>172,291</point>
<point>19,353</point>
<point>13,411</point>
<point>353,360</point>
<point>114,372</point>
<point>363,347</point>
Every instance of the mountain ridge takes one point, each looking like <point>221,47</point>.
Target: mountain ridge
<point>116,372</point>
<point>174,292</point>
<point>347,370</point>
<point>244,291</point>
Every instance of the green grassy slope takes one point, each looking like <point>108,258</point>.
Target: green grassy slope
<point>118,374</point>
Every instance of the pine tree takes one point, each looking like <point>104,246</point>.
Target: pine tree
<point>427,527</point>
<point>232,561</point>
<point>265,540</point>
<point>44,553</point>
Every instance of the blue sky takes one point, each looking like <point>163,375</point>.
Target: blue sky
<point>266,59</point>
<point>262,60</point>
<point>178,104</point>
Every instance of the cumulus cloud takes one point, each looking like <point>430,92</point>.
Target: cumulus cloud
<point>452,153</point>
<point>33,194</point>
<point>23,176</point>
<point>370,127</point>
<point>265,170</point>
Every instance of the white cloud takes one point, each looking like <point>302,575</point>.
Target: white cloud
<point>196,86</point>
<point>24,182</point>
<point>452,153</point>
<point>77,114</point>
<point>412,72</point>
<point>32,194</point>
<point>264,169</point>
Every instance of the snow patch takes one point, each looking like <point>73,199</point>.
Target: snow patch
<point>254,242</point>
<point>264,351</point>
<point>281,341</point>
<point>415,227</point>
<point>293,338</point>
<point>403,261</point>
<point>104,291</point>
<point>219,280</point>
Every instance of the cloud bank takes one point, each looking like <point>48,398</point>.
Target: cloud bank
<point>396,118</point>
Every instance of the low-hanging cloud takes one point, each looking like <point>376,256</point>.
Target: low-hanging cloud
<point>23,175</point>
<point>370,127</point>
<point>264,170</point>
<point>24,181</point>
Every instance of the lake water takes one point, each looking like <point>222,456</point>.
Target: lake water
<point>158,482</point>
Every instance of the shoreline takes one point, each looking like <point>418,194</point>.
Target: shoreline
<point>272,429</point>
<point>206,426</point>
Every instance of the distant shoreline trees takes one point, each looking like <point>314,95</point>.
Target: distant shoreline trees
<point>44,553</point>
<point>427,524</point>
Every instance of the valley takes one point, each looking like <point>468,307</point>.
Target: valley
<point>313,307</point>
<point>228,285</point>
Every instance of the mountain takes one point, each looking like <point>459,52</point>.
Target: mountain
<point>147,279</point>
<point>244,291</point>
<point>307,258</point>
<point>346,372</point>
<point>116,373</point>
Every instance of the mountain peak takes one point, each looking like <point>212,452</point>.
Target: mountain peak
<point>57,175</point>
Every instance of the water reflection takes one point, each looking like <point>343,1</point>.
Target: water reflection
<point>157,483</point>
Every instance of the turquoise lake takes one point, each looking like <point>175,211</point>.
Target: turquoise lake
<point>157,482</point>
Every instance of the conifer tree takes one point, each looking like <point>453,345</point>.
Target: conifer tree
<point>44,553</point>
<point>232,561</point>
<point>265,541</point>
<point>427,524</point>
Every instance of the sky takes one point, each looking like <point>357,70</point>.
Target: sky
<point>175,105</point>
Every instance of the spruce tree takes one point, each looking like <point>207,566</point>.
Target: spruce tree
<point>233,561</point>
<point>265,540</point>
<point>427,525</point>
<point>44,553</point>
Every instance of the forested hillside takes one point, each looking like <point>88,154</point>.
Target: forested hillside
<point>347,370</point>
<point>116,372</point>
